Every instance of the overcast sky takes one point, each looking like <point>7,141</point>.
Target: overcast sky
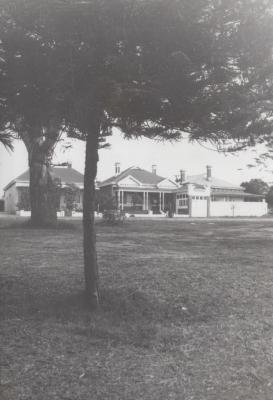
<point>169,158</point>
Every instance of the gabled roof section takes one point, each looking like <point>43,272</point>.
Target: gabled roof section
<point>129,181</point>
<point>212,182</point>
<point>167,184</point>
<point>65,174</point>
<point>141,175</point>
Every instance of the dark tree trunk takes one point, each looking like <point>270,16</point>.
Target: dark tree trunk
<point>42,189</point>
<point>42,192</point>
<point>89,234</point>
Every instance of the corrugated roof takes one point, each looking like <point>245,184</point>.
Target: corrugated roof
<point>141,175</point>
<point>213,182</point>
<point>65,174</point>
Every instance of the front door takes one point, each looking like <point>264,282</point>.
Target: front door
<point>154,204</point>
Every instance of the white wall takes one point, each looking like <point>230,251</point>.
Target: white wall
<point>199,208</point>
<point>237,209</point>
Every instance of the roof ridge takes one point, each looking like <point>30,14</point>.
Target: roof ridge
<point>130,170</point>
<point>152,173</point>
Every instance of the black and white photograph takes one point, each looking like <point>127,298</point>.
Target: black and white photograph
<point>136,199</point>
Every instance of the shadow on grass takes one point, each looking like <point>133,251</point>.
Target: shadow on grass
<point>135,318</point>
<point>126,316</point>
<point>26,224</point>
<point>124,305</point>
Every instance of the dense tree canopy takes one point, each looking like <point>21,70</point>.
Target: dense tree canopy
<point>155,67</point>
<point>238,95</point>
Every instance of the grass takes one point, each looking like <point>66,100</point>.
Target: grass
<point>186,313</point>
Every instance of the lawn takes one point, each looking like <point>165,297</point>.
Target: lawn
<point>186,313</point>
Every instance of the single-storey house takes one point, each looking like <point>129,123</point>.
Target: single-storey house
<point>204,196</point>
<point>15,190</point>
<point>137,191</point>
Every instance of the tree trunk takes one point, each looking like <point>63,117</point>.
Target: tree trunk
<point>89,234</point>
<point>42,191</point>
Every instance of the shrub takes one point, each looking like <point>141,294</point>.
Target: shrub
<point>105,201</point>
<point>114,216</point>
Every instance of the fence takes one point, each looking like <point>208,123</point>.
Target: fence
<point>237,209</point>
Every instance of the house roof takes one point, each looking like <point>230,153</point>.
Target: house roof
<point>65,174</point>
<point>141,175</point>
<point>236,193</point>
<point>213,182</point>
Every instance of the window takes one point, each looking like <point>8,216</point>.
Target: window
<point>183,203</point>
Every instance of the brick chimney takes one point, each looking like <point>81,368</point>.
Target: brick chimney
<point>154,169</point>
<point>182,177</point>
<point>208,172</point>
<point>117,168</point>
